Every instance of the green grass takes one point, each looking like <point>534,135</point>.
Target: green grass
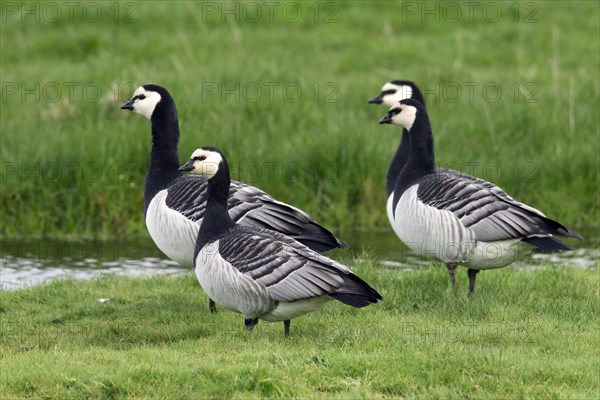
<point>75,166</point>
<point>523,334</point>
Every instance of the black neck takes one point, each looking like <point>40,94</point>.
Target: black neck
<point>397,163</point>
<point>216,217</point>
<point>164,158</point>
<point>421,159</point>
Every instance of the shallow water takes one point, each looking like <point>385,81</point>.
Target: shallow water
<point>32,262</point>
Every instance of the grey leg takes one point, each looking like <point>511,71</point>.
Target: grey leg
<point>286,328</point>
<point>212,306</point>
<point>452,271</point>
<point>472,276</point>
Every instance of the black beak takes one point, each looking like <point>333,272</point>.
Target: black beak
<point>376,100</point>
<point>188,166</point>
<point>387,119</point>
<point>128,105</point>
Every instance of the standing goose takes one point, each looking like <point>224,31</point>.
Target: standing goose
<point>391,93</point>
<point>455,218</point>
<point>258,272</point>
<point>174,203</point>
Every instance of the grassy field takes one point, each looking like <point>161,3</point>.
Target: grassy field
<point>513,92</point>
<point>523,334</point>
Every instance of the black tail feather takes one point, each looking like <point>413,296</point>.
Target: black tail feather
<point>546,244</point>
<point>356,293</point>
<point>566,233</point>
<point>318,238</point>
<point>321,244</point>
<point>556,228</point>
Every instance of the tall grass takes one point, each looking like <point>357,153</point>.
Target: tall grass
<point>75,166</point>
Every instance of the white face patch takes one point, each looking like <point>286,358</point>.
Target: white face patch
<point>401,92</point>
<point>406,117</point>
<point>147,103</point>
<point>206,162</point>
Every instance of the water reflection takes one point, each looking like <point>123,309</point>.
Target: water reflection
<point>26,263</point>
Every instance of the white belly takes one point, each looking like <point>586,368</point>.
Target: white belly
<point>489,255</point>
<point>390,210</point>
<point>174,234</point>
<point>285,310</point>
<point>390,213</point>
<point>228,287</point>
<point>439,234</point>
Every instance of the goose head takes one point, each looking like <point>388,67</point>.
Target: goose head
<point>204,161</point>
<point>146,99</point>
<point>395,91</point>
<point>405,113</point>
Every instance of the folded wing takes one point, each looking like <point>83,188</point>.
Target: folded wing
<point>290,271</point>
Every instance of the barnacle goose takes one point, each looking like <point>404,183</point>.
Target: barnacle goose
<point>455,218</point>
<point>391,93</point>
<point>258,272</point>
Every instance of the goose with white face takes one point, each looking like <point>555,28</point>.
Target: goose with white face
<point>400,114</point>
<point>203,162</point>
<point>143,102</point>
<point>391,93</point>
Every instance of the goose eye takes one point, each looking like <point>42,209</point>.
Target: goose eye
<point>199,158</point>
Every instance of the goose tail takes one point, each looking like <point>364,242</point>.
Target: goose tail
<point>356,293</point>
<point>546,244</point>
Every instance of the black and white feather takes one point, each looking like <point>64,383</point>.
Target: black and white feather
<point>174,204</point>
<point>258,272</point>
<point>457,218</point>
